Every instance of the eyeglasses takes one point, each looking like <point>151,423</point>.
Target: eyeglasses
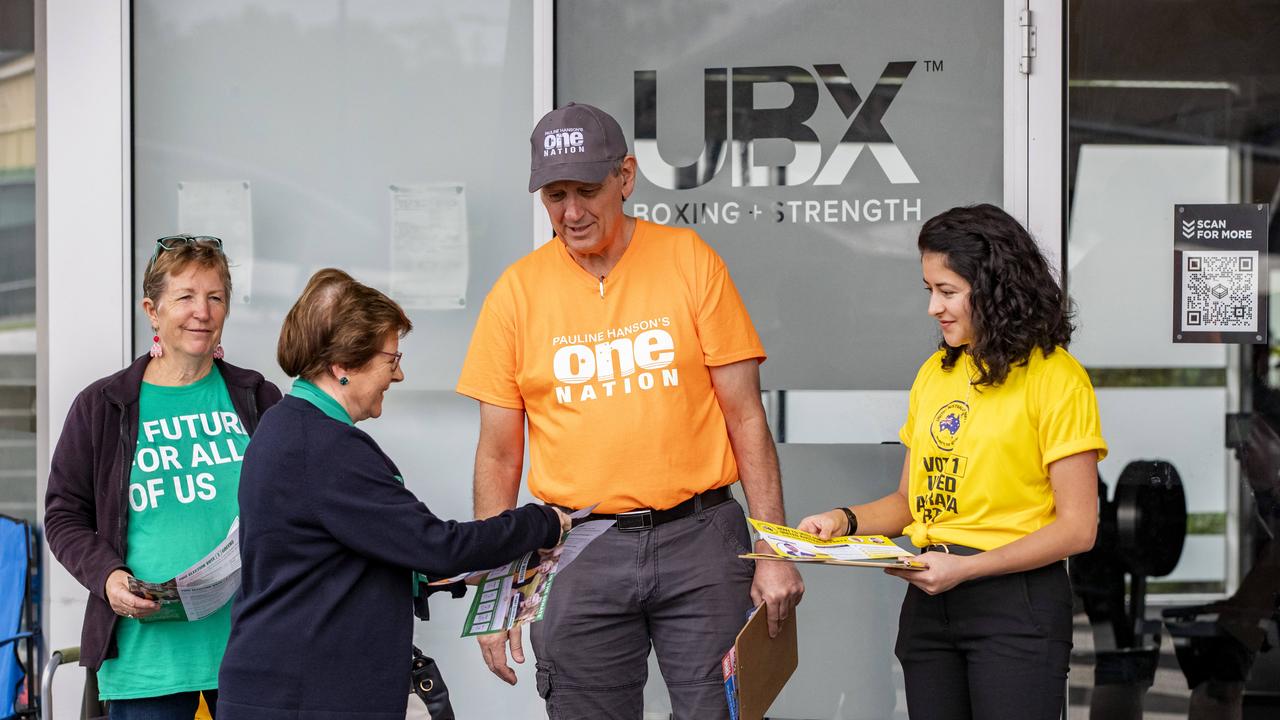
<point>395,364</point>
<point>169,242</point>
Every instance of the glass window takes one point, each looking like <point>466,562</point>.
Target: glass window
<point>327,116</point>
<point>1173,103</point>
<point>1177,123</point>
<point>389,139</point>
<point>806,142</point>
<point>18,262</point>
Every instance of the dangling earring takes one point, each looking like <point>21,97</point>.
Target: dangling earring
<point>156,350</point>
<point>218,352</point>
<point>343,380</point>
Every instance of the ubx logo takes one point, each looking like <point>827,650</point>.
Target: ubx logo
<point>788,123</point>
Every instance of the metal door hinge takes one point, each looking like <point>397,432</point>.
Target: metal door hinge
<point>1028,29</point>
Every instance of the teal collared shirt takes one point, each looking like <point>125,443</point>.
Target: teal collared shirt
<point>321,399</point>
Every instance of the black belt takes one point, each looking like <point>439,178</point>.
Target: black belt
<point>950,548</point>
<point>646,519</point>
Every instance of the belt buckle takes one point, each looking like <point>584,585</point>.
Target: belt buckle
<point>634,521</point>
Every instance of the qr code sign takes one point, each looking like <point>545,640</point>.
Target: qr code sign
<point>1219,291</point>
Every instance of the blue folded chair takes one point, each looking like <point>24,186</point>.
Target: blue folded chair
<point>19,618</point>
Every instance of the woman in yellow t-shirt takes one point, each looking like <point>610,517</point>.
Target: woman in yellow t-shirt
<point>1000,480</point>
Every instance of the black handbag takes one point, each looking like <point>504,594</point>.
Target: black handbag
<point>426,683</point>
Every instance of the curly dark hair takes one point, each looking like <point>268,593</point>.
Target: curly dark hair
<point>1016,304</point>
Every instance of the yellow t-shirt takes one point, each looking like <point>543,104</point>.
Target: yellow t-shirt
<point>980,455</point>
<point>617,390</point>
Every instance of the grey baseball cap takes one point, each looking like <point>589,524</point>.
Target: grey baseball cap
<point>575,142</point>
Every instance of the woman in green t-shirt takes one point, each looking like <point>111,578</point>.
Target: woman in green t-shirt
<point>143,485</point>
<point>1000,480</point>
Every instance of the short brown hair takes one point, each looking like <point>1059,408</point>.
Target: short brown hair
<point>336,321</point>
<point>176,260</point>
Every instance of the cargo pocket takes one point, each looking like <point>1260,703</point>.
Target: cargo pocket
<point>544,677</point>
<point>731,525</point>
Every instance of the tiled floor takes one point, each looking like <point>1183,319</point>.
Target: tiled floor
<point>1166,700</point>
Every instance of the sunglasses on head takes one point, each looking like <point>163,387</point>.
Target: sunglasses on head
<point>169,242</point>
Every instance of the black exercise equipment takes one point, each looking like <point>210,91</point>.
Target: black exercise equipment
<point>1218,644</point>
<point>1141,531</point>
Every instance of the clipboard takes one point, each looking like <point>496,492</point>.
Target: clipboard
<point>763,664</point>
<point>901,564</point>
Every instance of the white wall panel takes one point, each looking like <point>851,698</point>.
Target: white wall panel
<point>82,252</point>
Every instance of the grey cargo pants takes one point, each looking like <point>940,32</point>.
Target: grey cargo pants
<point>678,587</point>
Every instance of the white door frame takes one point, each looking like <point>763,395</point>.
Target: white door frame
<point>1034,139</point>
<point>83,259</point>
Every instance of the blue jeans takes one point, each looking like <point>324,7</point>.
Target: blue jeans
<point>179,706</point>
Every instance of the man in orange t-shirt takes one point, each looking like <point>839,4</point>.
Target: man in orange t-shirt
<point>627,349</point>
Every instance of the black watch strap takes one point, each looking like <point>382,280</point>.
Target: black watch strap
<point>851,519</point>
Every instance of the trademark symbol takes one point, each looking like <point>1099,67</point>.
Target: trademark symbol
<point>933,66</point>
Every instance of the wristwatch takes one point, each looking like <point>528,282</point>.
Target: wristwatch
<point>851,519</point>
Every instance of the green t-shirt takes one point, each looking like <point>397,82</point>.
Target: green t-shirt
<point>182,501</point>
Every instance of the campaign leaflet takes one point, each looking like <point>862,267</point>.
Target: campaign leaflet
<point>200,590</point>
<point>729,667</point>
<point>856,550</point>
<point>516,594</point>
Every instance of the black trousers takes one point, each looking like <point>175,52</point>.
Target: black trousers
<point>990,649</point>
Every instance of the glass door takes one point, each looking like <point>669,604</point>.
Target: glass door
<point>807,142</point>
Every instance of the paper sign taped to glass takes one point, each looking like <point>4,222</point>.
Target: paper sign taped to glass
<point>201,589</point>
<point>853,550</point>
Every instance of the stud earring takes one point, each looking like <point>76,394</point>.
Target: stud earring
<point>218,352</point>
<point>156,350</point>
<point>343,380</point>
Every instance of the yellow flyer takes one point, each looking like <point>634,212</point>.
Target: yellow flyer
<point>858,550</point>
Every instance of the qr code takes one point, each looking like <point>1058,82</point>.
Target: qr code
<point>1219,291</point>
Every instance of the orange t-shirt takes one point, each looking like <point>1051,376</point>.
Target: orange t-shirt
<point>617,390</point>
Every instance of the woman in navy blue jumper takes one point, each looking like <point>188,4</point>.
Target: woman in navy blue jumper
<point>323,625</point>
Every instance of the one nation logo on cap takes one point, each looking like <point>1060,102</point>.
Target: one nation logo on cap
<point>563,141</point>
<point>576,142</point>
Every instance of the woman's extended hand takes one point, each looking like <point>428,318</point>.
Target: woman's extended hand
<point>945,571</point>
<point>825,525</point>
<point>125,603</point>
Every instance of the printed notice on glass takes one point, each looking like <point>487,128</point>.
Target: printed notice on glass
<point>1220,273</point>
<point>202,589</point>
<point>223,209</point>
<point>429,246</point>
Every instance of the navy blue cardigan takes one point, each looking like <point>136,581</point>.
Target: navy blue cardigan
<point>323,624</point>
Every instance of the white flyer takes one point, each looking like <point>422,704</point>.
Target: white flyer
<point>200,590</point>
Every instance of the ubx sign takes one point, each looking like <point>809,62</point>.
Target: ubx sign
<point>789,123</point>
